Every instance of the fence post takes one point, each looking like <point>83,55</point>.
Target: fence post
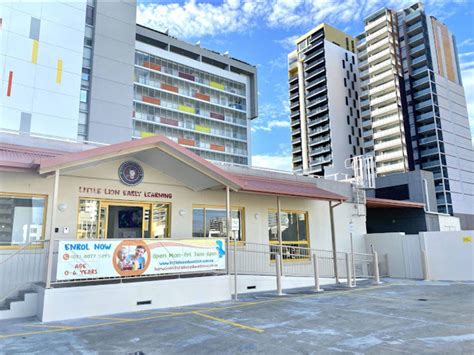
<point>424,262</point>
<point>348,271</point>
<point>316,274</point>
<point>278,275</point>
<point>376,268</point>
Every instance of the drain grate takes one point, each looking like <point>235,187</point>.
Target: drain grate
<point>422,299</point>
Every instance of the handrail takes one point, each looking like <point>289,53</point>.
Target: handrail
<point>17,251</point>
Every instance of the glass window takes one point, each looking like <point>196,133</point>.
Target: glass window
<point>88,219</point>
<point>294,233</point>
<point>210,222</point>
<point>83,95</point>
<point>21,219</point>
<point>161,220</point>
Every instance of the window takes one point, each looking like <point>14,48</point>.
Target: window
<point>84,95</point>
<point>85,74</point>
<point>22,219</point>
<point>347,101</point>
<point>90,15</point>
<point>294,233</point>
<point>350,139</point>
<point>351,68</point>
<point>343,64</point>
<point>210,222</point>
<point>352,130</point>
<point>348,120</point>
<point>345,82</point>
<point>350,92</point>
<point>354,150</point>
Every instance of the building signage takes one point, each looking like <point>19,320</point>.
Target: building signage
<point>78,260</point>
<point>130,173</point>
<point>121,192</point>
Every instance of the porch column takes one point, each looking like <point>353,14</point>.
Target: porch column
<point>333,237</point>
<point>52,222</point>
<point>280,241</point>
<point>229,232</point>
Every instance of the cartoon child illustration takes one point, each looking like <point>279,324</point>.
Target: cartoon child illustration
<point>123,263</point>
<point>220,248</point>
<point>137,260</point>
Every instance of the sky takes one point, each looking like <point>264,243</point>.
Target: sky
<point>262,33</point>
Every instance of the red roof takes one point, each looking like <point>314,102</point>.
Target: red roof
<point>48,161</point>
<point>272,186</point>
<point>386,203</point>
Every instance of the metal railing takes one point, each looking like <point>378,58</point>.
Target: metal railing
<point>21,266</point>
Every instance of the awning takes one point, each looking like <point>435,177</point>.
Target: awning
<point>291,188</point>
<point>386,203</point>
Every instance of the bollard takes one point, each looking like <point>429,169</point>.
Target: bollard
<point>317,287</point>
<point>278,274</point>
<point>348,271</point>
<point>424,262</point>
<point>376,268</point>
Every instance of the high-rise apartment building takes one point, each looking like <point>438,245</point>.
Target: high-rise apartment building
<point>413,106</point>
<point>86,70</point>
<point>324,108</point>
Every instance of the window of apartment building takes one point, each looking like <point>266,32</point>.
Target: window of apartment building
<point>355,77</point>
<point>347,74</point>
<point>354,150</point>
<point>353,60</point>
<point>358,141</point>
<point>350,110</point>
<point>347,101</point>
<point>23,219</point>
<point>352,84</point>
<point>90,15</point>
<point>349,92</point>
<point>352,130</point>
<point>353,48</point>
<point>343,64</point>
<point>351,68</point>
<point>211,222</point>
<point>358,113</point>
<point>294,232</point>
<point>356,123</point>
<point>83,96</point>
<point>354,103</point>
<point>360,131</point>
<point>356,94</point>
<point>347,45</point>
<point>350,139</point>
<point>361,151</point>
<point>348,120</point>
<point>345,82</point>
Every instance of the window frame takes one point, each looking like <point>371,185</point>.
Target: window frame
<point>45,213</point>
<point>238,208</point>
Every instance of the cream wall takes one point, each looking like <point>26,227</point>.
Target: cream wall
<point>256,206</point>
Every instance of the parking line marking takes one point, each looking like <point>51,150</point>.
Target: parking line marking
<point>114,318</point>
<point>61,327</point>
<point>238,325</point>
<point>245,304</point>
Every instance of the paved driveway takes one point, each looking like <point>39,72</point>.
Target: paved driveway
<point>396,317</point>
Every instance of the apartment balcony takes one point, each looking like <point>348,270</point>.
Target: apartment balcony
<point>384,88</point>
<point>364,74</point>
<point>296,140</point>
<point>315,93</point>
<point>319,130</point>
<point>411,18</point>
<point>316,83</point>
<point>312,113</point>
<point>419,61</point>
<point>385,121</point>
<point>295,123</point>
<point>387,133</point>
<point>294,132</point>
<point>379,46</point>
<point>364,83</point>
<point>315,74</point>
<point>363,64</point>
<point>318,35</point>
<point>376,23</point>
<point>382,78</point>
<point>389,144</point>
<point>319,140</point>
<point>423,94</point>
<point>362,54</point>
<point>417,73</point>
<point>294,105</point>
<point>293,79</point>
<point>297,159</point>
<point>380,56</point>
<point>430,164</point>
<point>364,103</point>
<point>364,93</point>
<point>321,160</point>
<point>378,35</point>
<point>293,87</point>
<point>368,143</point>
<point>308,59</point>
<point>428,140</point>
<point>378,68</point>
<point>294,96</point>
<point>416,51</point>
<point>367,123</point>
<point>420,83</point>
<point>429,152</point>
<point>417,39</point>
<point>317,121</point>
<point>384,110</point>
<point>365,113</point>
<point>390,168</point>
<point>311,104</point>
<point>361,43</point>
<point>424,106</point>
<point>384,99</point>
<point>295,114</point>
<point>384,157</point>
<point>320,150</point>
<point>296,149</point>
<point>427,116</point>
<point>367,134</point>
<point>415,28</point>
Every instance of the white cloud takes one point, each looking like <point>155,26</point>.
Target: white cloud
<point>269,125</point>
<point>196,19</point>
<point>288,43</point>
<point>466,43</point>
<point>275,162</point>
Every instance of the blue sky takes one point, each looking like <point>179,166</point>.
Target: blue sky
<point>262,33</point>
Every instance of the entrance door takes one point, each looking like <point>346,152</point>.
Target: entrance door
<point>127,221</point>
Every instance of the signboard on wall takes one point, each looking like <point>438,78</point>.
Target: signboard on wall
<point>136,257</point>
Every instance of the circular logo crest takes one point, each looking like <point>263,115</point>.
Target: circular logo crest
<point>130,173</point>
